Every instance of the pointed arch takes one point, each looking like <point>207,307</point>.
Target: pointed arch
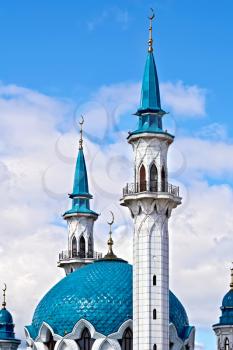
<point>127,339</point>
<point>85,342</point>
<point>142,178</point>
<point>153,178</point>
<point>74,247</point>
<point>226,344</point>
<point>50,342</point>
<point>82,247</point>
<point>163,180</point>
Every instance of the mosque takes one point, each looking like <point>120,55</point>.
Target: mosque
<point>104,303</point>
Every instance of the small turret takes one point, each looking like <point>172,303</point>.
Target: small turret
<point>7,335</point>
<point>224,328</point>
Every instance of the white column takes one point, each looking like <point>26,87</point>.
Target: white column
<point>150,211</point>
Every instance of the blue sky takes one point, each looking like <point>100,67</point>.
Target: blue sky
<point>76,52</point>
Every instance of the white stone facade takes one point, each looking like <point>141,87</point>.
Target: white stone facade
<point>150,207</point>
<point>68,342</point>
<point>224,337</point>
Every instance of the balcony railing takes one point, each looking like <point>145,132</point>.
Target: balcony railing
<point>150,187</point>
<point>72,254</point>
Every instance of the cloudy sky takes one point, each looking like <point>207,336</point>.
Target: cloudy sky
<point>62,59</point>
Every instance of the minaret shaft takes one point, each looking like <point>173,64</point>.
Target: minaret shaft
<point>151,201</point>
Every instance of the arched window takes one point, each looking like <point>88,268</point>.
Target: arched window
<point>153,178</point>
<point>50,342</point>
<point>154,280</point>
<point>171,346</point>
<point>82,248</point>
<point>154,347</point>
<point>127,340</point>
<point>163,180</point>
<point>226,344</point>
<point>74,247</point>
<point>154,314</point>
<point>90,248</point>
<point>142,176</point>
<point>85,342</point>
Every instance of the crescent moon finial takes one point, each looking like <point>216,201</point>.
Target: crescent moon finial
<point>152,16</point>
<point>112,221</point>
<point>81,122</point>
<point>150,42</point>
<point>110,254</point>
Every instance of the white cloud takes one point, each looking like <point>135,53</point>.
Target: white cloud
<point>184,100</point>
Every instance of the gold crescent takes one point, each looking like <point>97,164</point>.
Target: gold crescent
<point>111,222</point>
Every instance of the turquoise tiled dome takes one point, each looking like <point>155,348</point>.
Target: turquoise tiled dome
<point>6,325</point>
<point>227,309</point>
<point>101,293</point>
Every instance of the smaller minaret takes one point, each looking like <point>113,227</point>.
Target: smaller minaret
<point>80,219</point>
<point>7,335</point>
<point>224,329</point>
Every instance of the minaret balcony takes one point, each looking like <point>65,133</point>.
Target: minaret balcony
<point>65,255</point>
<point>150,187</point>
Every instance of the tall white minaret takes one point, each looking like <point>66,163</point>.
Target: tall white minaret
<point>150,199</point>
<point>80,220</point>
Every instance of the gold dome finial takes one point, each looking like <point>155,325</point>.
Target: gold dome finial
<point>110,254</point>
<point>231,284</point>
<point>4,296</point>
<point>81,133</point>
<point>150,42</point>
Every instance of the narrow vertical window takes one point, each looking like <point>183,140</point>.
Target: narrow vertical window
<point>82,248</point>
<point>153,178</point>
<point>155,347</point>
<point>154,314</point>
<point>154,280</point>
<point>85,342</point>
<point>90,249</point>
<point>74,247</point>
<point>142,176</point>
<point>163,180</point>
<point>226,344</point>
<point>50,342</point>
<point>127,340</point>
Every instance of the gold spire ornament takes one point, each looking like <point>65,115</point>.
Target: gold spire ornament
<point>110,254</point>
<point>231,284</point>
<point>4,296</point>
<point>150,42</point>
<point>81,122</point>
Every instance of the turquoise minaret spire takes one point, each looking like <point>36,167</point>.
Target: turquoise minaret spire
<point>150,112</point>
<point>80,219</point>
<point>80,195</point>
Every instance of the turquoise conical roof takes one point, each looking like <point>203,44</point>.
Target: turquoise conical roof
<point>150,94</point>
<point>150,113</point>
<point>80,186</point>
<point>80,195</point>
